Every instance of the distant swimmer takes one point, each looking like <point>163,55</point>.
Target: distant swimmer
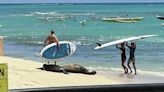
<point>132,56</point>
<point>74,18</point>
<point>123,56</point>
<point>52,38</point>
<point>83,22</point>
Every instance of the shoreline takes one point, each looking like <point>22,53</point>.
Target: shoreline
<point>132,78</point>
<point>25,74</point>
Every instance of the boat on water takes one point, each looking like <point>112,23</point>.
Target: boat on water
<point>160,17</point>
<point>54,18</point>
<point>122,19</point>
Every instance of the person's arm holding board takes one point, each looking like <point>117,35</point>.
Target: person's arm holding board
<point>127,45</point>
<point>117,46</point>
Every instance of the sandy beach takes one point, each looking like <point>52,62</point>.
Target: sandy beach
<point>25,74</point>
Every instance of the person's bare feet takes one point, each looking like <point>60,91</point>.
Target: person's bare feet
<point>130,72</point>
<point>126,71</point>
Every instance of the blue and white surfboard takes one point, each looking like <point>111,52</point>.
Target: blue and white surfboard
<point>51,52</point>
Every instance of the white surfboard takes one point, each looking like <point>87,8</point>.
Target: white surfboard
<point>123,40</point>
<point>52,53</point>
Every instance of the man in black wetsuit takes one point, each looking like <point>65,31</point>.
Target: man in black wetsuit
<point>123,56</point>
<point>132,56</point>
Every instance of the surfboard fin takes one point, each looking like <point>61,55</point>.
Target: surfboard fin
<point>98,44</point>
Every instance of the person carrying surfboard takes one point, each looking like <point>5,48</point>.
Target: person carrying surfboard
<point>52,38</point>
<point>123,56</point>
<point>132,56</point>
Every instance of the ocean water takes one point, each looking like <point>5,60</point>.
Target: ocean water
<point>26,28</point>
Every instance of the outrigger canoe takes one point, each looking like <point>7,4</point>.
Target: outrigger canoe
<point>122,19</point>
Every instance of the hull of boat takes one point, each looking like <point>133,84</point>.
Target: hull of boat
<point>160,17</point>
<point>123,19</point>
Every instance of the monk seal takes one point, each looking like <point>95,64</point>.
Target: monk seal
<point>74,68</point>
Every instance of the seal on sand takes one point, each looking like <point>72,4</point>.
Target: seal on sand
<point>76,68</point>
<point>54,68</point>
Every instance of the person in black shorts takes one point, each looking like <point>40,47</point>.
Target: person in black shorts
<point>123,56</point>
<point>132,56</point>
